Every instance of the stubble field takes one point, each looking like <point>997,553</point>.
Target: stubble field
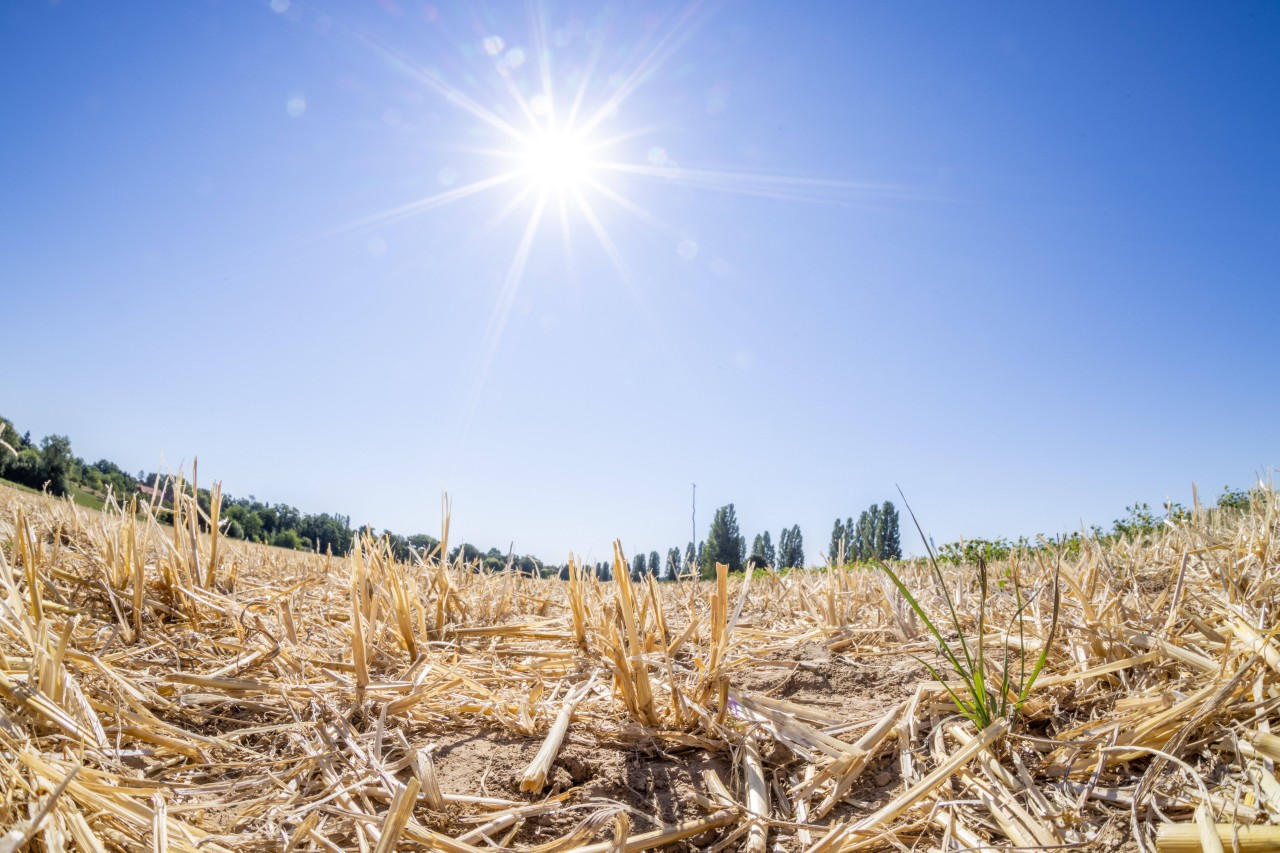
<point>162,689</point>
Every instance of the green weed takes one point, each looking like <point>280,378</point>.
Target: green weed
<point>994,693</point>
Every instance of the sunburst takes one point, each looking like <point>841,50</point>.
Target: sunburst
<point>557,148</point>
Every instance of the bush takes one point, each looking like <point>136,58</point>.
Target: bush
<point>1237,499</point>
<point>287,538</point>
<point>26,469</point>
<point>971,551</point>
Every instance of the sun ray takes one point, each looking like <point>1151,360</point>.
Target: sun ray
<point>676,35</point>
<point>634,209</point>
<point>650,322</point>
<point>491,224</point>
<point>588,74</point>
<point>259,260</point>
<point>781,187</point>
<point>606,242</point>
<point>641,130</point>
<point>539,35</point>
<point>502,308</point>
<point>450,93</point>
<point>422,205</point>
<point>566,237</point>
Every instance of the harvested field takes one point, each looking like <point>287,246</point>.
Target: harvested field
<point>166,690</point>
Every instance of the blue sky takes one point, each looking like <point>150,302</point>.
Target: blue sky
<point>1019,260</point>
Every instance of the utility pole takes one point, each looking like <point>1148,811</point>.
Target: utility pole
<point>694,519</point>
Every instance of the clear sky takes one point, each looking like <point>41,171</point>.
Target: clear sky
<point>563,260</point>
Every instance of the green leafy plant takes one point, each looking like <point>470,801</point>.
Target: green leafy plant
<point>994,692</point>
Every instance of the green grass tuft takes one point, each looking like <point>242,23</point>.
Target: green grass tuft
<point>993,694</point>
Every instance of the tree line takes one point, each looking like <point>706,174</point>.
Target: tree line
<point>51,465</point>
<point>875,535</point>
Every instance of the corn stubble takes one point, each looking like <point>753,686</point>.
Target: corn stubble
<point>164,689</point>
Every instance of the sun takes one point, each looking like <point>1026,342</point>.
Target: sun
<point>557,161</point>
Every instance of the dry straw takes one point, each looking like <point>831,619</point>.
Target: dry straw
<point>163,687</point>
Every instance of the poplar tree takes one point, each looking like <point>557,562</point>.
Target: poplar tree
<point>891,542</point>
<point>762,550</point>
<point>797,548</point>
<point>673,564</point>
<point>725,543</point>
<point>791,548</point>
<point>865,533</point>
<point>877,535</point>
<point>839,544</point>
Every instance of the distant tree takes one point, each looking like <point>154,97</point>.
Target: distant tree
<point>790,548</point>
<point>690,559</point>
<point>725,543</point>
<point>838,550</point>
<point>673,564</point>
<point>88,475</point>
<point>398,544</point>
<point>795,560</point>
<point>891,538</point>
<point>639,565</point>
<point>864,533</point>
<point>290,517</point>
<point>332,533</point>
<point>767,550</point>
<point>655,564</point>
<point>251,522</point>
<point>424,544</point>
<point>232,516</point>
<point>493,560</point>
<point>877,536</point>
<point>56,461</point>
<point>270,523</point>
